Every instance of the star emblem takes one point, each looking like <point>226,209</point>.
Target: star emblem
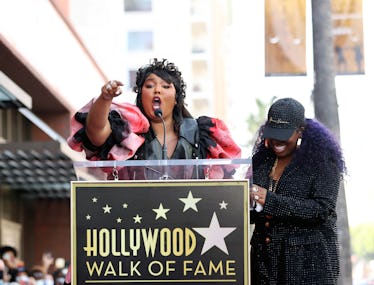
<point>161,212</point>
<point>119,220</point>
<point>94,200</point>
<point>214,235</point>
<point>125,205</point>
<point>190,202</point>
<point>223,205</point>
<point>107,209</point>
<point>137,219</point>
<point>88,217</point>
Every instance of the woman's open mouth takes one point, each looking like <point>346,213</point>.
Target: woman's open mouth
<point>156,103</point>
<point>279,147</point>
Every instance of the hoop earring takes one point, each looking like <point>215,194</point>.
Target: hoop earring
<point>298,143</point>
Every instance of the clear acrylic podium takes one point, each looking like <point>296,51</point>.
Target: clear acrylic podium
<point>161,221</point>
<point>175,169</point>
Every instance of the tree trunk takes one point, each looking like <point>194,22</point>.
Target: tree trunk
<point>326,111</point>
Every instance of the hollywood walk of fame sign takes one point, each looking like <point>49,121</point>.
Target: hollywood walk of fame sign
<point>148,232</point>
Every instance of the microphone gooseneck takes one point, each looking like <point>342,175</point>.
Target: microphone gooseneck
<point>158,113</point>
<point>165,175</point>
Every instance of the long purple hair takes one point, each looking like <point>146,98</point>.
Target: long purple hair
<point>319,148</point>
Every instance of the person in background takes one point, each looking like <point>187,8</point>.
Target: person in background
<point>107,130</point>
<point>298,166</point>
<point>47,263</point>
<point>8,255</point>
<point>2,268</point>
<point>39,277</point>
<point>41,273</point>
<point>59,276</point>
<point>22,275</point>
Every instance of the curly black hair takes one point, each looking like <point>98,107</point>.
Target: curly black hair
<point>169,72</point>
<point>7,248</point>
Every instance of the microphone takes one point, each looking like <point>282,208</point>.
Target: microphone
<point>158,113</point>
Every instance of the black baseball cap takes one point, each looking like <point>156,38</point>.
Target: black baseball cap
<point>284,117</point>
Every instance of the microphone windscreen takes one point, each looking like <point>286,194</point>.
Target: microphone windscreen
<point>158,113</point>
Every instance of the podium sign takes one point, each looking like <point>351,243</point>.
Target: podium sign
<point>160,231</point>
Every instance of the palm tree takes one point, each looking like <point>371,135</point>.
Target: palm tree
<point>326,111</point>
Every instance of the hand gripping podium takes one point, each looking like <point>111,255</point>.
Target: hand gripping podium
<point>161,221</point>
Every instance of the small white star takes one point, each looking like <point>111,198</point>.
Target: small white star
<point>190,202</point>
<point>125,205</point>
<point>161,212</point>
<point>94,199</point>
<point>137,219</point>
<point>119,220</point>
<point>214,235</point>
<point>88,217</point>
<point>223,205</point>
<point>107,209</point>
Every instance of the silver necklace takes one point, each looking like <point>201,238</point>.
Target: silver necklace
<point>273,183</point>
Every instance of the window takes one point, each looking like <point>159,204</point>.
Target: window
<point>138,5</point>
<point>13,126</point>
<point>140,41</point>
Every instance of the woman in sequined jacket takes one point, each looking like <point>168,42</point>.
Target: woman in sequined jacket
<point>297,170</point>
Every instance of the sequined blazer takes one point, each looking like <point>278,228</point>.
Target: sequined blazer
<point>294,239</point>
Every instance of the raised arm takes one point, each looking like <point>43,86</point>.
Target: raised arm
<point>98,127</point>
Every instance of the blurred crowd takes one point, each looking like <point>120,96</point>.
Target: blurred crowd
<point>13,270</point>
